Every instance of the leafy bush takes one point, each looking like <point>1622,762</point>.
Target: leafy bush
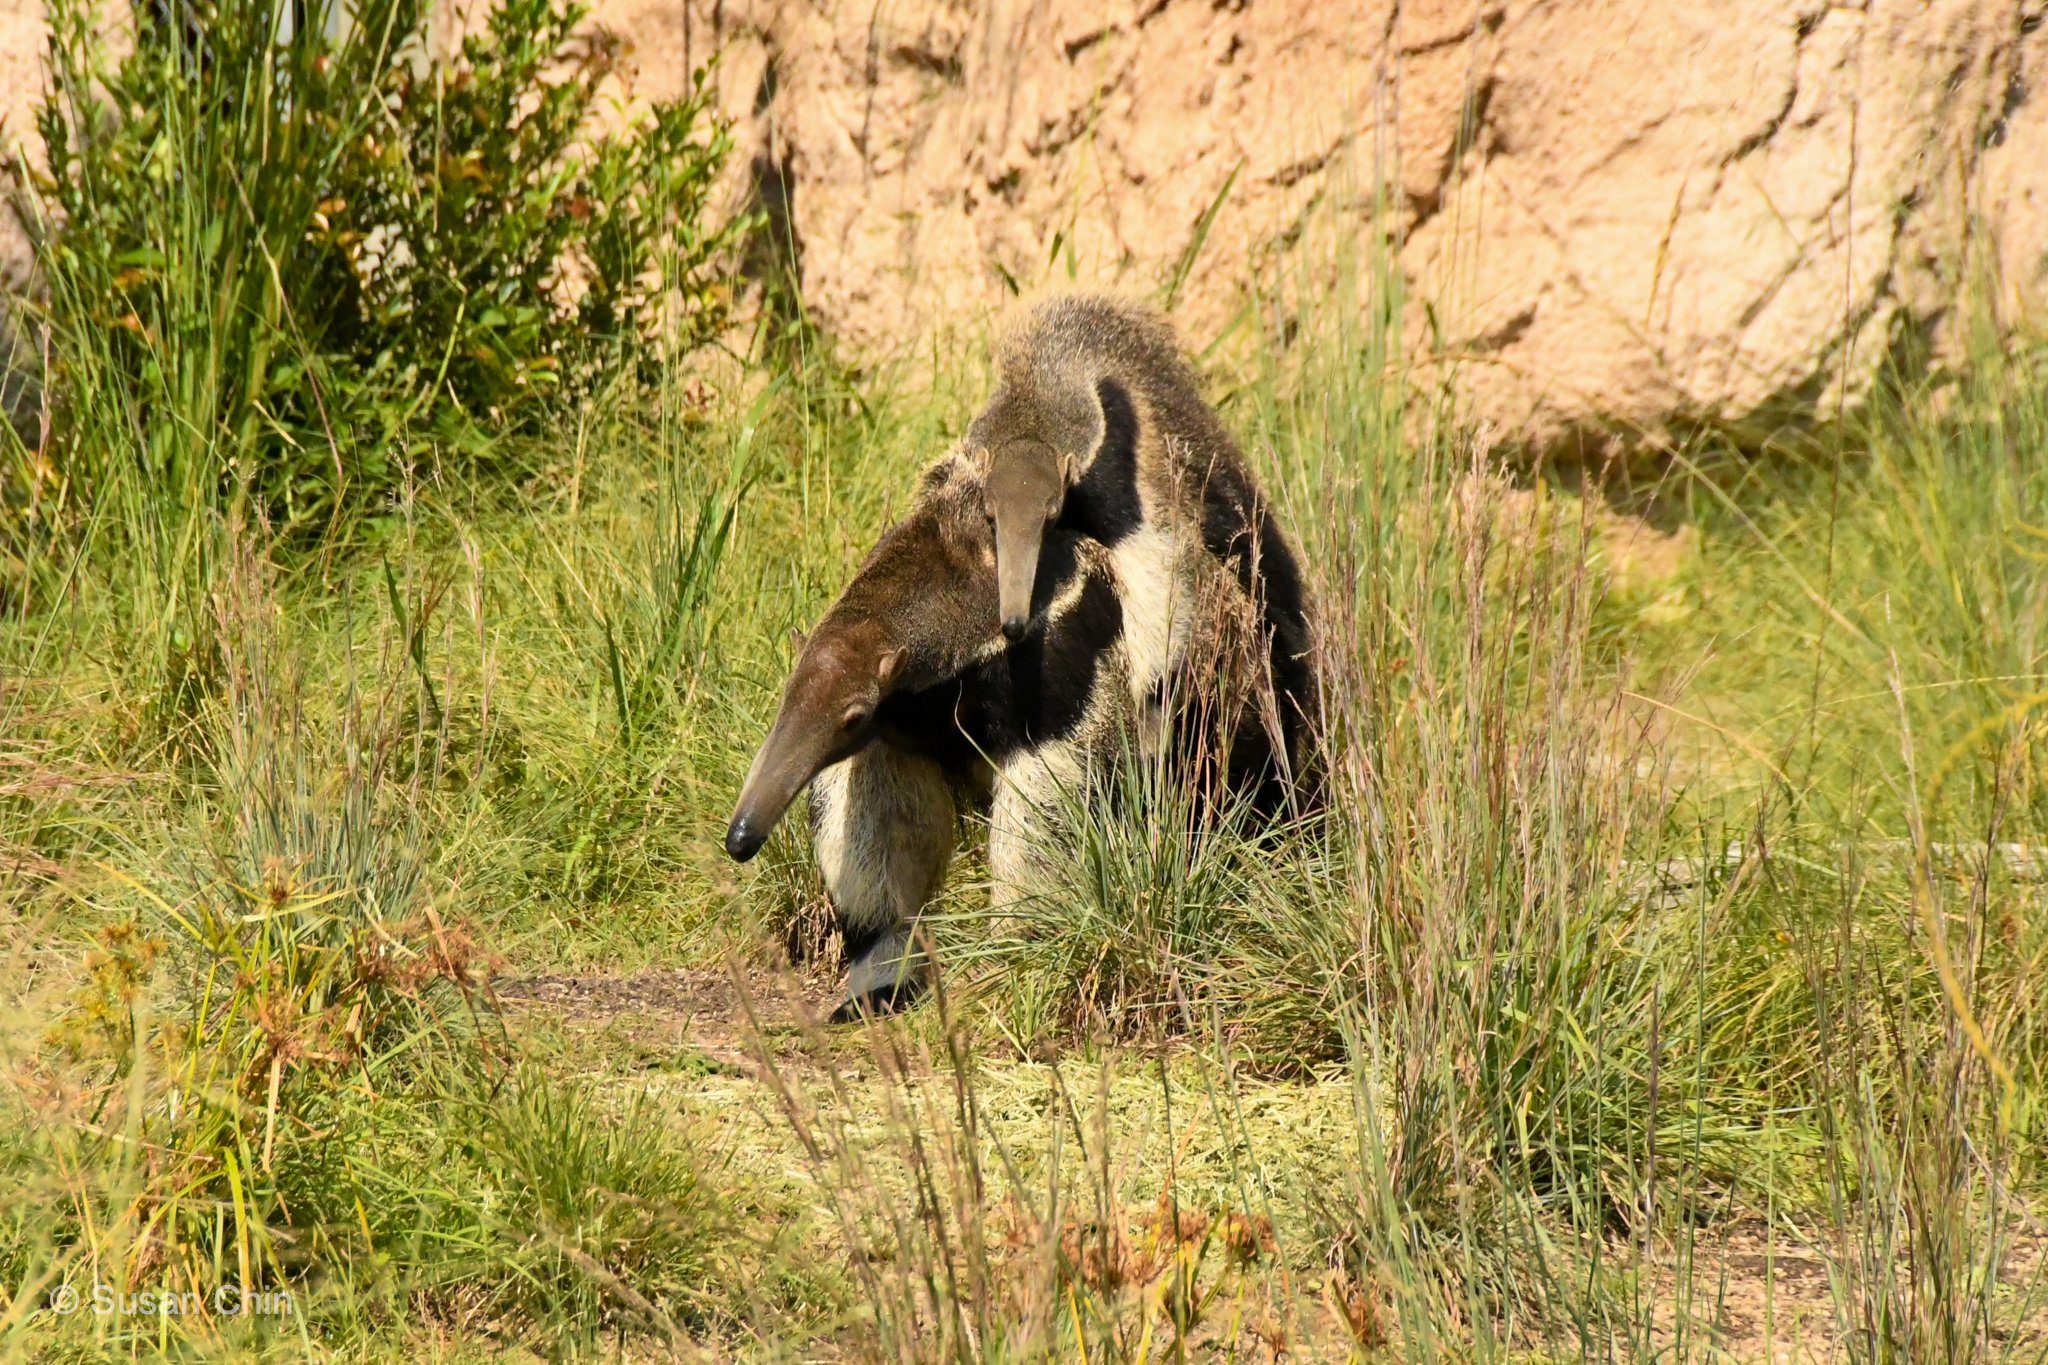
<point>270,257</point>
<point>457,222</point>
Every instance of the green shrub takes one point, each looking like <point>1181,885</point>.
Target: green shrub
<point>271,258</point>
<point>491,179</point>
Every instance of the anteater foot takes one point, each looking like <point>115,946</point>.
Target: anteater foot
<point>883,1000</point>
<point>886,974</point>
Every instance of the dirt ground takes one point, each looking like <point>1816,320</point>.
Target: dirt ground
<point>715,1010</point>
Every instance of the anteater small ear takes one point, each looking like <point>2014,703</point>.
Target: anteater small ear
<point>797,640</point>
<point>983,459</point>
<point>1070,471</point>
<point>890,666</point>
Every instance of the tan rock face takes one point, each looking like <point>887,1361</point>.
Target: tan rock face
<point>1607,218</point>
<point>22,37</point>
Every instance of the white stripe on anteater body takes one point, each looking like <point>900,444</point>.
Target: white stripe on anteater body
<point>1098,427</point>
<point>883,828</point>
<point>906,694</point>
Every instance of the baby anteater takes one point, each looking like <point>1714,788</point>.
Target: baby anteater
<point>1098,428</point>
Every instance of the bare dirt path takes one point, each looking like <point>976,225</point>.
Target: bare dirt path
<point>714,1009</point>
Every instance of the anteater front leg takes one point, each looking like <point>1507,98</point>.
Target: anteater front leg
<point>883,826</point>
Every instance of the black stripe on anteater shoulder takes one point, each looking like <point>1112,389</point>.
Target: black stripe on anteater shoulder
<point>1228,507</point>
<point>932,721</point>
<point>1241,532</point>
<point>1035,692</point>
<point>1038,690</point>
<point>1053,672</point>
<point>1104,503</point>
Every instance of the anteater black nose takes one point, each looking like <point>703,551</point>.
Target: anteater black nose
<point>1013,628</point>
<point>741,843</point>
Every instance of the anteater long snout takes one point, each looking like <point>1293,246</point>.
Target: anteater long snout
<point>784,767</point>
<point>1018,540</point>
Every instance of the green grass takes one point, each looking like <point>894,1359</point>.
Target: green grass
<point>1624,931</point>
<point>1682,893</point>
<point>1569,1020</point>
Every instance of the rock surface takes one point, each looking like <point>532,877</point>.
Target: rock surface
<point>22,36</point>
<point>1607,219</point>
